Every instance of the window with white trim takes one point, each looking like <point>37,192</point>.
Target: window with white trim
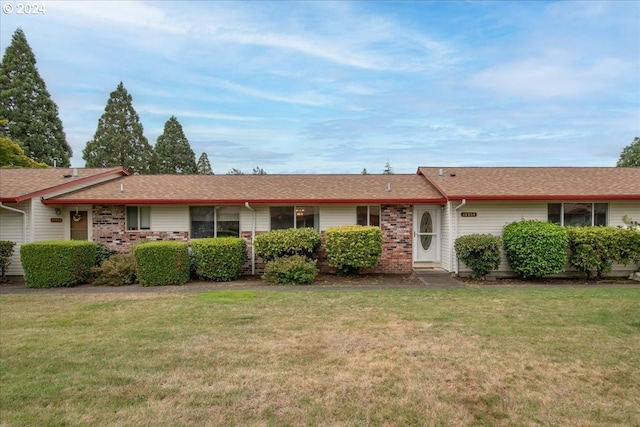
<point>368,215</point>
<point>138,218</point>
<point>215,221</point>
<point>283,217</point>
<point>578,214</point>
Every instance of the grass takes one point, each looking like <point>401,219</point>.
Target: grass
<point>465,357</point>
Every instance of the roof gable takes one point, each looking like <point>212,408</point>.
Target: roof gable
<point>535,183</point>
<point>21,184</point>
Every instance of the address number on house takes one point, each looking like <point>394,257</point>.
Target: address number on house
<point>468,214</point>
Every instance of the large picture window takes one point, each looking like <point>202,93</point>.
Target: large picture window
<point>212,221</point>
<point>578,214</point>
<point>138,218</point>
<point>283,217</point>
<point>368,215</point>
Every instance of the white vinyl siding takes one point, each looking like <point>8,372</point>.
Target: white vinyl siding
<point>446,233</point>
<point>11,228</point>
<point>262,218</point>
<point>332,216</point>
<point>169,218</point>
<point>617,210</point>
<point>43,228</point>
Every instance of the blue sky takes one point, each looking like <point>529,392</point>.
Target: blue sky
<point>335,87</point>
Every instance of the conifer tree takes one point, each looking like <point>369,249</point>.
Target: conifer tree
<point>33,120</point>
<point>204,167</point>
<point>172,153</point>
<point>119,138</point>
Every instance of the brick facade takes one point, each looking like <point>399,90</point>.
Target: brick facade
<point>109,228</point>
<point>396,223</point>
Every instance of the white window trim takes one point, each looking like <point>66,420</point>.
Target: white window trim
<point>369,213</point>
<point>593,211</point>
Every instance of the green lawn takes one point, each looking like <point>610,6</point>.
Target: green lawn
<point>464,357</point>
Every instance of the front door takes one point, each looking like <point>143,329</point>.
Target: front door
<point>79,225</point>
<point>426,234</point>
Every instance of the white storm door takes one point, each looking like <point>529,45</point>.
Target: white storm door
<point>426,233</point>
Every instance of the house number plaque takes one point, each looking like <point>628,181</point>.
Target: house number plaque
<point>468,214</point>
<point>56,219</point>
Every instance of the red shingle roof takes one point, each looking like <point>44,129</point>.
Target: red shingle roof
<point>267,189</point>
<point>17,185</point>
<point>535,183</point>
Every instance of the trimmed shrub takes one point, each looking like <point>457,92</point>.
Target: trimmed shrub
<point>57,263</point>
<point>220,258</point>
<point>118,270</point>
<point>291,270</point>
<point>593,250</point>
<point>6,252</point>
<point>353,247</point>
<point>292,241</point>
<point>479,252</point>
<point>535,248</point>
<point>162,263</point>
<point>102,253</point>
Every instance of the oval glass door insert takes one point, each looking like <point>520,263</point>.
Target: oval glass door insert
<point>426,226</point>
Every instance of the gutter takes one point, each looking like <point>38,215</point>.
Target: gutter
<point>253,237</point>
<point>455,212</point>
<point>24,220</point>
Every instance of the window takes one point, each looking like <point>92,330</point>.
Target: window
<point>283,217</point>
<point>578,214</point>
<point>368,215</point>
<point>211,221</point>
<point>138,218</point>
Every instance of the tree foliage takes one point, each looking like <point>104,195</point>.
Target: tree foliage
<point>33,120</point>
<point>12,156</point>
<point>119,138</point>
<point>630,156</point>
<point>234,171</point>
<point>388,170</point>
<point>258,171</point>
<point>204,166</point>
<point>172,153</point>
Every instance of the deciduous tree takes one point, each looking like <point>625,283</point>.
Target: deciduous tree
<point>630,156</point>
<point>119,138</point>
<point>33,120</point>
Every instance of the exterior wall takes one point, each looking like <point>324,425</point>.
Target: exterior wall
<point>492,217</point>
<point>12,229</point>
<point>43,228</point>
<point>396,223</point>
<point>333,216</point>
<point>446,231</point>
<point>109,228</point>
<point>170,218</point>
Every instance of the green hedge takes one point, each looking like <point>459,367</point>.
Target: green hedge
<point>535,248</point>
<point>593,250</point>
<point>293,241</point>
<point>219,259</point>
<point>162,263</point>
<point>291,270</point>
<point>479,252</point>
<point>353,247</point>
<point>57,263</point>
<point>6,252</point>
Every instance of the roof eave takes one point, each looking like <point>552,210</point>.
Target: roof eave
<point>51,202</point>
<point>556,197</point>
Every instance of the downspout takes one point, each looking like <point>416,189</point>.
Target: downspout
<point>455,211</point>
<point>253,238</point>
<point>24,220</point>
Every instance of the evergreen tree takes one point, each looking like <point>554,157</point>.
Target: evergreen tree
<point>258,171</point>
<point>388,170</point>
<point>204,167</point>
<point>24,100</point>
<point>630,156</point>
<point>172,153</point>
<point>364,172</point>
<point>119,138</point>
<point>234,171</point>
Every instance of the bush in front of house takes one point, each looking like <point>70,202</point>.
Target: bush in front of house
<point>353,247</point>
<point>292,241</point>
<point>291,270</point>
<point>6,252</point>
<point>535,248</point>
<point>57,263</point>
<point>594,250</point>
<point>479,252</point>
<point>102,253</point>
<point>162,263</point>
<point>117,270</point>
<point>220,258</point>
